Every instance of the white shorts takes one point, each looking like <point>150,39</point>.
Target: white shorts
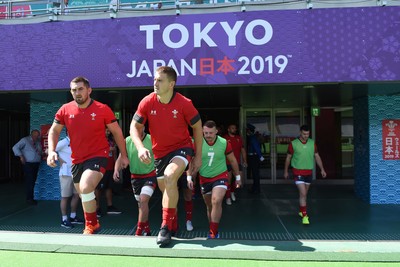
<point>67,187</point>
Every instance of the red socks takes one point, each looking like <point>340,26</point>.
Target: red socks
<point>140,228</point>
<point>146,228</point>
<point>214,227</point>
<point>175,222</point>
<point>303,210</point>
<point>233,186</point>
<point>168,217</point>
<point>188,209</point>
<point>90,218</point>
<point>143,227</point>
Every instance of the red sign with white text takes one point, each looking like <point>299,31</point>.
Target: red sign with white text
<point>18,11</point>
<point>21,11</point>
<point>391,139</point>
<point>44,133</point>
<point>3,12</point>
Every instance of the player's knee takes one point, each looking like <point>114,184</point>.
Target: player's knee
<point>147,191</point>
<point>137,197</point>
<point>88,197</point>
<point>170,181</point>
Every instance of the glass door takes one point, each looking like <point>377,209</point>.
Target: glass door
<point>261,120</point>
<point>274,129</point>
<point>287,124</point>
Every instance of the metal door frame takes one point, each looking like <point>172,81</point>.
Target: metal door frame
<point>274,179</point>
<point>273,153</point>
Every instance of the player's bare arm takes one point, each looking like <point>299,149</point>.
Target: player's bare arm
<point>198,143</point>
<point>190,177</point>
<point>287,163</point>
<point>135,131</point>
<point>120,141</point>
<point>117,169</point>
<point>244,156</point>
<point>235,167</point>
<point>54,135</point>
<point>318,160</point>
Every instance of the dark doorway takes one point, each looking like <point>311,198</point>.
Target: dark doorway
<point>16,126</point>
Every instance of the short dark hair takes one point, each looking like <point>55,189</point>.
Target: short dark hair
<point>304,128</point>
<point>210,124</point>
<point>250,127</point>
<point>81,79</point>
<point>35,130</point>
<point>170,72</point>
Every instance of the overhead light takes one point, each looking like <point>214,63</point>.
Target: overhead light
<point>308,87</point>
<point>342,109</point>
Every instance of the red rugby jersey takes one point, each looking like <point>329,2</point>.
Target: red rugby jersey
<point>237,144</point>
<point>86,129</point>
<point>168,123</point>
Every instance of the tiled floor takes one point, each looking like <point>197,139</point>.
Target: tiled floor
<point>335,214</point>
<point>262,227</point>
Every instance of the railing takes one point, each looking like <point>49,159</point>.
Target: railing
<point>32,8</point>
<point>23,9</point>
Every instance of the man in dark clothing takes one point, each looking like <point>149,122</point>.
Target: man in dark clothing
<point>254,157</point>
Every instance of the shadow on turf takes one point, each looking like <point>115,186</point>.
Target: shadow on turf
<point>294,245</point>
